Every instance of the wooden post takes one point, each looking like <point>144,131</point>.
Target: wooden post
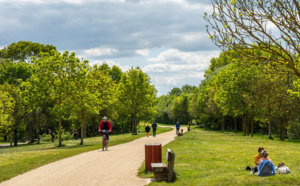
<point>171,160</point>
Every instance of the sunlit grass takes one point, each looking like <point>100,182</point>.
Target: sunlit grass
<point>20,159</point>
<point>220,158</point>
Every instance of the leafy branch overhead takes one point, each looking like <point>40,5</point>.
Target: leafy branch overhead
<point>269,26</point>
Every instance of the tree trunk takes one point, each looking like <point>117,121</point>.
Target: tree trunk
<point>59,135</point>
<point>30,140</point>
<point>281,129</point>
<point>252,125</point>
<point>223,121</point>
<point>10,136</point>
<point>269,119</point>
<point>15,136</point>
<point>244,124</point>
<point>247,124</point>
<point>235,123</point>
<point>132,124</point>
<point>38,135</point>
<point>82,127</point>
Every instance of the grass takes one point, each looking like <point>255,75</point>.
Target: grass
<point>17,160</point>
<point>220,158</point>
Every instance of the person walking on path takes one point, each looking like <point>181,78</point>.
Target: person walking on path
<point>154,126</point>
<point>52,135</point>
<point>75,133</point>
<point>177,127</point>
<point>147,128</point>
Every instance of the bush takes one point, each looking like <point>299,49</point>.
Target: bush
<point>46,137</point>
<point>293,130</point>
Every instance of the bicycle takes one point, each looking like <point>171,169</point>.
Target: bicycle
<point>104,139</point>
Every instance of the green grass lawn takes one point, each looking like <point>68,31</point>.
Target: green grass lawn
<point>220,158</point>
<point>16,160</point>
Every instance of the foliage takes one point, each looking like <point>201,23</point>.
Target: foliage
<point>253,26</point>
<point>136,96</point>
<point>24,51</point>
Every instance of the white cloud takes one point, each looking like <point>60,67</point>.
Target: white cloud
<point>97,52</point>
<point>143,52</point>
<point>175,56</point>
<point>59,1</point>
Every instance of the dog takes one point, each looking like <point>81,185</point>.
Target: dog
<point>282,169</point>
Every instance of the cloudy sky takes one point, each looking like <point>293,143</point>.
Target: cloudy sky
<point>166,38</point>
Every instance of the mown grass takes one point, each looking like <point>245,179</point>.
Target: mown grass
<point>20,159</point>
<point>220,158</point>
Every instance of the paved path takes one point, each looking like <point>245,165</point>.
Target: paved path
<point>117,166</point>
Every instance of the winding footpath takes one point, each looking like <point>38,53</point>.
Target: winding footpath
<point>117,166</point>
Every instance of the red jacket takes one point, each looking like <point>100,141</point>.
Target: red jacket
<point>101,125</point>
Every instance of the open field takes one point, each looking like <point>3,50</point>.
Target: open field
<point>20,159</point>
<point>220,158</point>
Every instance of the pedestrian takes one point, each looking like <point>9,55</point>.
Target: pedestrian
<point>154,126</point>
<point>177,127</point>
<point>52,135</point>
<point>147,128</point>
<point>75,133</point>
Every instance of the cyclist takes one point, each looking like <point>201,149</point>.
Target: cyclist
<point>106,126</point>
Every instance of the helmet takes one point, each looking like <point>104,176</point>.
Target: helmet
<point>105,118</point>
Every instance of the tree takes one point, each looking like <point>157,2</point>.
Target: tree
<point>92,90</point>
<point>51,82</point>
<point>115,73</point>
<point>11,72</point>
<point>24,51</point>
<point>180,108</point>
<point>7,104</point>
<point>136,96</point>
<point>245,25</point>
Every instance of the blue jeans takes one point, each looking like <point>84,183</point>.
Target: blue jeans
<point>107,134</point>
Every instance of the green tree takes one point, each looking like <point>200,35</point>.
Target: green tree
<point>7,104</point>
<point>24,51</point>
<point>51,82</point>
<point>245,26</point>
<point>136,96</point>
<point>180,108</point>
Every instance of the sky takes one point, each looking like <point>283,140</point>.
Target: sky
<point>167,39</point>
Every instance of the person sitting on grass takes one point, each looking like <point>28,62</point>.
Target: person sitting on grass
<point>256,160</point>
<point>266,166</point>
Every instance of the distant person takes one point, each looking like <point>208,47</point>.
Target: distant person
<point>75,133</point>
<point>266,166</point>
<point>52,135</point>
<point>105,125</point>
<point>177,127</point>
<point>154,126</point>
<point>147,128</point>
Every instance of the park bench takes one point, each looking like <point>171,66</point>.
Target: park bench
<point>163,172</point>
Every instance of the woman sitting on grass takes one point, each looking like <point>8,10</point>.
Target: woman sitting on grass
<point>266,167</point>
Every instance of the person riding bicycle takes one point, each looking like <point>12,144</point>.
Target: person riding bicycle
<point>105,125</point>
